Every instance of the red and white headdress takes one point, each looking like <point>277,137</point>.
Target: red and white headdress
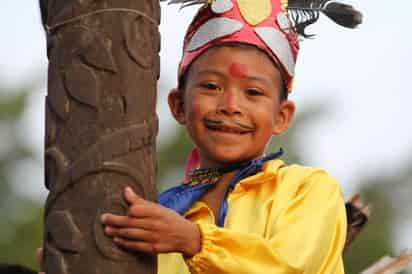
<point>271,25</point>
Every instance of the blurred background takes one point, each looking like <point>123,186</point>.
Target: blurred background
<point>353,98</point>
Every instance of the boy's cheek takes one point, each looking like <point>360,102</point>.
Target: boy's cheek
<point>268,133</point>
<point>194,105</point>
<point>195,108</point>
<point>267,129</point>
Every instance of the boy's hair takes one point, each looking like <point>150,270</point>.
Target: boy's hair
<point>15,269</point>
<point>283,94</point>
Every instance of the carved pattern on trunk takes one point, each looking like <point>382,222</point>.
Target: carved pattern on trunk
<point>101,127</point>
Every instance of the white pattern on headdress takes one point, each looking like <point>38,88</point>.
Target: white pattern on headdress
<point>213,29</point>
<point>221,6</point>
<point>283,22</point>
<point>279,45</point>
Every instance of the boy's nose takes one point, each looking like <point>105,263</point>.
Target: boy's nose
<point>229,103</point>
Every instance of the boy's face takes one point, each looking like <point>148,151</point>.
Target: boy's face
<point>230,105</point>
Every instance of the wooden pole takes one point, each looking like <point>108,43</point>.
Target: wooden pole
<point>101,127</point>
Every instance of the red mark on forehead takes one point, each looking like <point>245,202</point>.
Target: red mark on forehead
<point>238,70</point>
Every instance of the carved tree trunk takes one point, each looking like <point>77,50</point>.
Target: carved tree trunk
<point>101,127</point>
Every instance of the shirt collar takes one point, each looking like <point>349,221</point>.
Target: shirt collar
<point>269,171</point>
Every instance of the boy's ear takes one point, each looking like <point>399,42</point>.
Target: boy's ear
<point>176,105</point>
<point>284,117</point>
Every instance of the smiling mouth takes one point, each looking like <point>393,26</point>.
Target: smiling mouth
<point>227,127</point>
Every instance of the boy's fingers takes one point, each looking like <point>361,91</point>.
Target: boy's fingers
<point>141,211</point>
<point>136,246</point>
<point>115,220</point>
<point>123,221</point>
<point>39,255</point>
<point>131,196</point>
<point>134,234</point>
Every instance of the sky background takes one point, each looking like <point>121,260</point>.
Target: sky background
<point>364,74</point>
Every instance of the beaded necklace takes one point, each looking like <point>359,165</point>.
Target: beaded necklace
<point>211,175</point>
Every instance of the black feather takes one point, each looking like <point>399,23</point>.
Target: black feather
<point>306,12</point>
<point>343,14</point>
<point>186,3</point>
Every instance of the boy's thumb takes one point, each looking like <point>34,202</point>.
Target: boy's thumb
<point>39,255</point>
<point>131,196</point>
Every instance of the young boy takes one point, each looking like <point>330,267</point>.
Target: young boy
<point>240,211</point>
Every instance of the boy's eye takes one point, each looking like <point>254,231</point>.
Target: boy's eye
<point>210,86</point>
<point>254,92</point>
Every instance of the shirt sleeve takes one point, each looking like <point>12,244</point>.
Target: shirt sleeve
<point>306,234</point>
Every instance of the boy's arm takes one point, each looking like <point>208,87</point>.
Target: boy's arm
<point>306,236</point>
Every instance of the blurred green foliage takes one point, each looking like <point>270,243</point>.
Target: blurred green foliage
<point>388,197</point>
<point>21,218</point>
<point>12,106</point>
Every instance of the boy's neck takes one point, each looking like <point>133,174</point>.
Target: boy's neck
<point>208,164</point>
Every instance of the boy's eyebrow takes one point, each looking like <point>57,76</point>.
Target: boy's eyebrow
<point>211,71</point>
<point>259,79</point>
<point>221,74</point>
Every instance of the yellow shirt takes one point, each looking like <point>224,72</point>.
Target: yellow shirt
<point>285,219</point>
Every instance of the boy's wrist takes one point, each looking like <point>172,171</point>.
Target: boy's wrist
<point>192,244</point>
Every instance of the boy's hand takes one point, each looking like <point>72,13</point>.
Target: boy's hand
<point>39,255</point>
<point>152,228</point>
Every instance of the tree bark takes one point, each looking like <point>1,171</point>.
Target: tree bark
<point>101,127</point>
